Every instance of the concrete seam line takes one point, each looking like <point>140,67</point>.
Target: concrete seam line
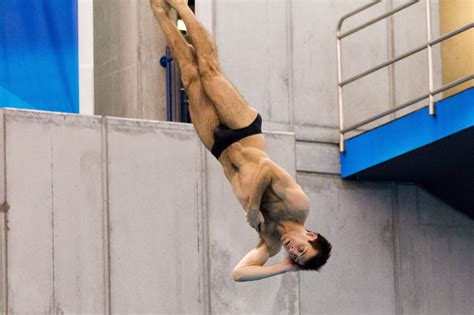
<point>204,182</point>
<point>106,218</point>
<point>289,45</point>
<point>396,246</point>
<point>51,136</point>
<point>5,208</point>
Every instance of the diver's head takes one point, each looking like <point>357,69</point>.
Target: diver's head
<point>308,249</point>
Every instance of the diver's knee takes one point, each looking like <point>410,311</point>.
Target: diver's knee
<point>189,75</point>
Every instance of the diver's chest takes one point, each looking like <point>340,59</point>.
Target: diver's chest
<point>273,207</point>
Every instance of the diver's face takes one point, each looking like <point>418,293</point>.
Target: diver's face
<point>298,247</point>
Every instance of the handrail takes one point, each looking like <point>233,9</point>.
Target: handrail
<point>429,43</point>
<point>451,34</point>
<point>453,84</point>
<point>407,54</point>
<point>376,19</point>
<point>354,12</point>
<point>406,104</point>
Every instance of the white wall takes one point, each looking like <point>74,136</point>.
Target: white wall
<point>86,56</point>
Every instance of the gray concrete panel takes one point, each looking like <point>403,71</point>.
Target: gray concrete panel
<point>357,219</point>
<point>78,214</point>
<point>30,232</point>
<point>116,93</point>
<point>153,204</point>
<point>115,35</point>
<point>230,238</point>
<point>278,69</point>
<point>128,44</point>
<point>252,48</point>
<point>317,157</point>
<point>315,67</point>
<point>151,79</point>
<point>436,257</point>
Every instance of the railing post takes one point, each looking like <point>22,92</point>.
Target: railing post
<point>430,57</point>
<point>339,89</point>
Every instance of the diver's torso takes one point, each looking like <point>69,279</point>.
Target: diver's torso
<point>240,162</point>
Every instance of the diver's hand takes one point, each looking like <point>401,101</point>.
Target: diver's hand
<point>290,264</point>
<point>255,219</point>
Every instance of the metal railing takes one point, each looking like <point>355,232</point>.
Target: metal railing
<point>429,44</point>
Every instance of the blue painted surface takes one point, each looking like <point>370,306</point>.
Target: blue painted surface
<point>410,132</point>
<point>39,55</point>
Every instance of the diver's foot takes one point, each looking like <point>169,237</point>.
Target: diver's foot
<point>175,3</point>
<point>160,6</point>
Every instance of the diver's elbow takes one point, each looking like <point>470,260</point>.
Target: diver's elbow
<point>237,275</point>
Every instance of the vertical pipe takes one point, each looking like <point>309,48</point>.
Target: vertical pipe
<point>165,62</point>
<point>430,56</point>
<point>169,86</point>
<point>339,88</point>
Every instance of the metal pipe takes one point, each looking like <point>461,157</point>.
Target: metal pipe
<point>165,62</point>
<point>430,56</point>
<point>339,90</point>
<point>453,84</point>
<point>451,34</point>
<point>382,65</point>
<point>354,12</point>
<point>411,102</point>
<point>378,18</point>
<point>407,54</point>
<point>339,67</point>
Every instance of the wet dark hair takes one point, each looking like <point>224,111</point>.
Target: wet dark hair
<point>323,247</point>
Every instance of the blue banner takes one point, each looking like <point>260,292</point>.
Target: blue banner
<point>39,55</point>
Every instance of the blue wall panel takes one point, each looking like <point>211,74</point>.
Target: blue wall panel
<point>39,55</point>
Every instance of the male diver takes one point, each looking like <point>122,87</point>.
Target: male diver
<point>275,205</point>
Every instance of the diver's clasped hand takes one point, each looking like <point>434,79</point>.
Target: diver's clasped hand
<point>255,219</point>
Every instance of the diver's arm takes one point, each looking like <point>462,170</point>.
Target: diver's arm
<point>260,182</point>
<point>252,268</point>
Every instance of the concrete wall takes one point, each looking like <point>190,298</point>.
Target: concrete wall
<point>397,250</point>
<point>109,215</point>
<point>128,45</point>
<point>124,216</point>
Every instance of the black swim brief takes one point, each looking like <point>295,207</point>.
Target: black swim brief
<point>224,136</point>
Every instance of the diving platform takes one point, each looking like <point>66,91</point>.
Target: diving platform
<point>435,152</point>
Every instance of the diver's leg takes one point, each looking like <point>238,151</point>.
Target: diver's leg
<point>231,107</point>
<point>203,113</point>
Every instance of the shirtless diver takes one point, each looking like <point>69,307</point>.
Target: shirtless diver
<point>275,205</point>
